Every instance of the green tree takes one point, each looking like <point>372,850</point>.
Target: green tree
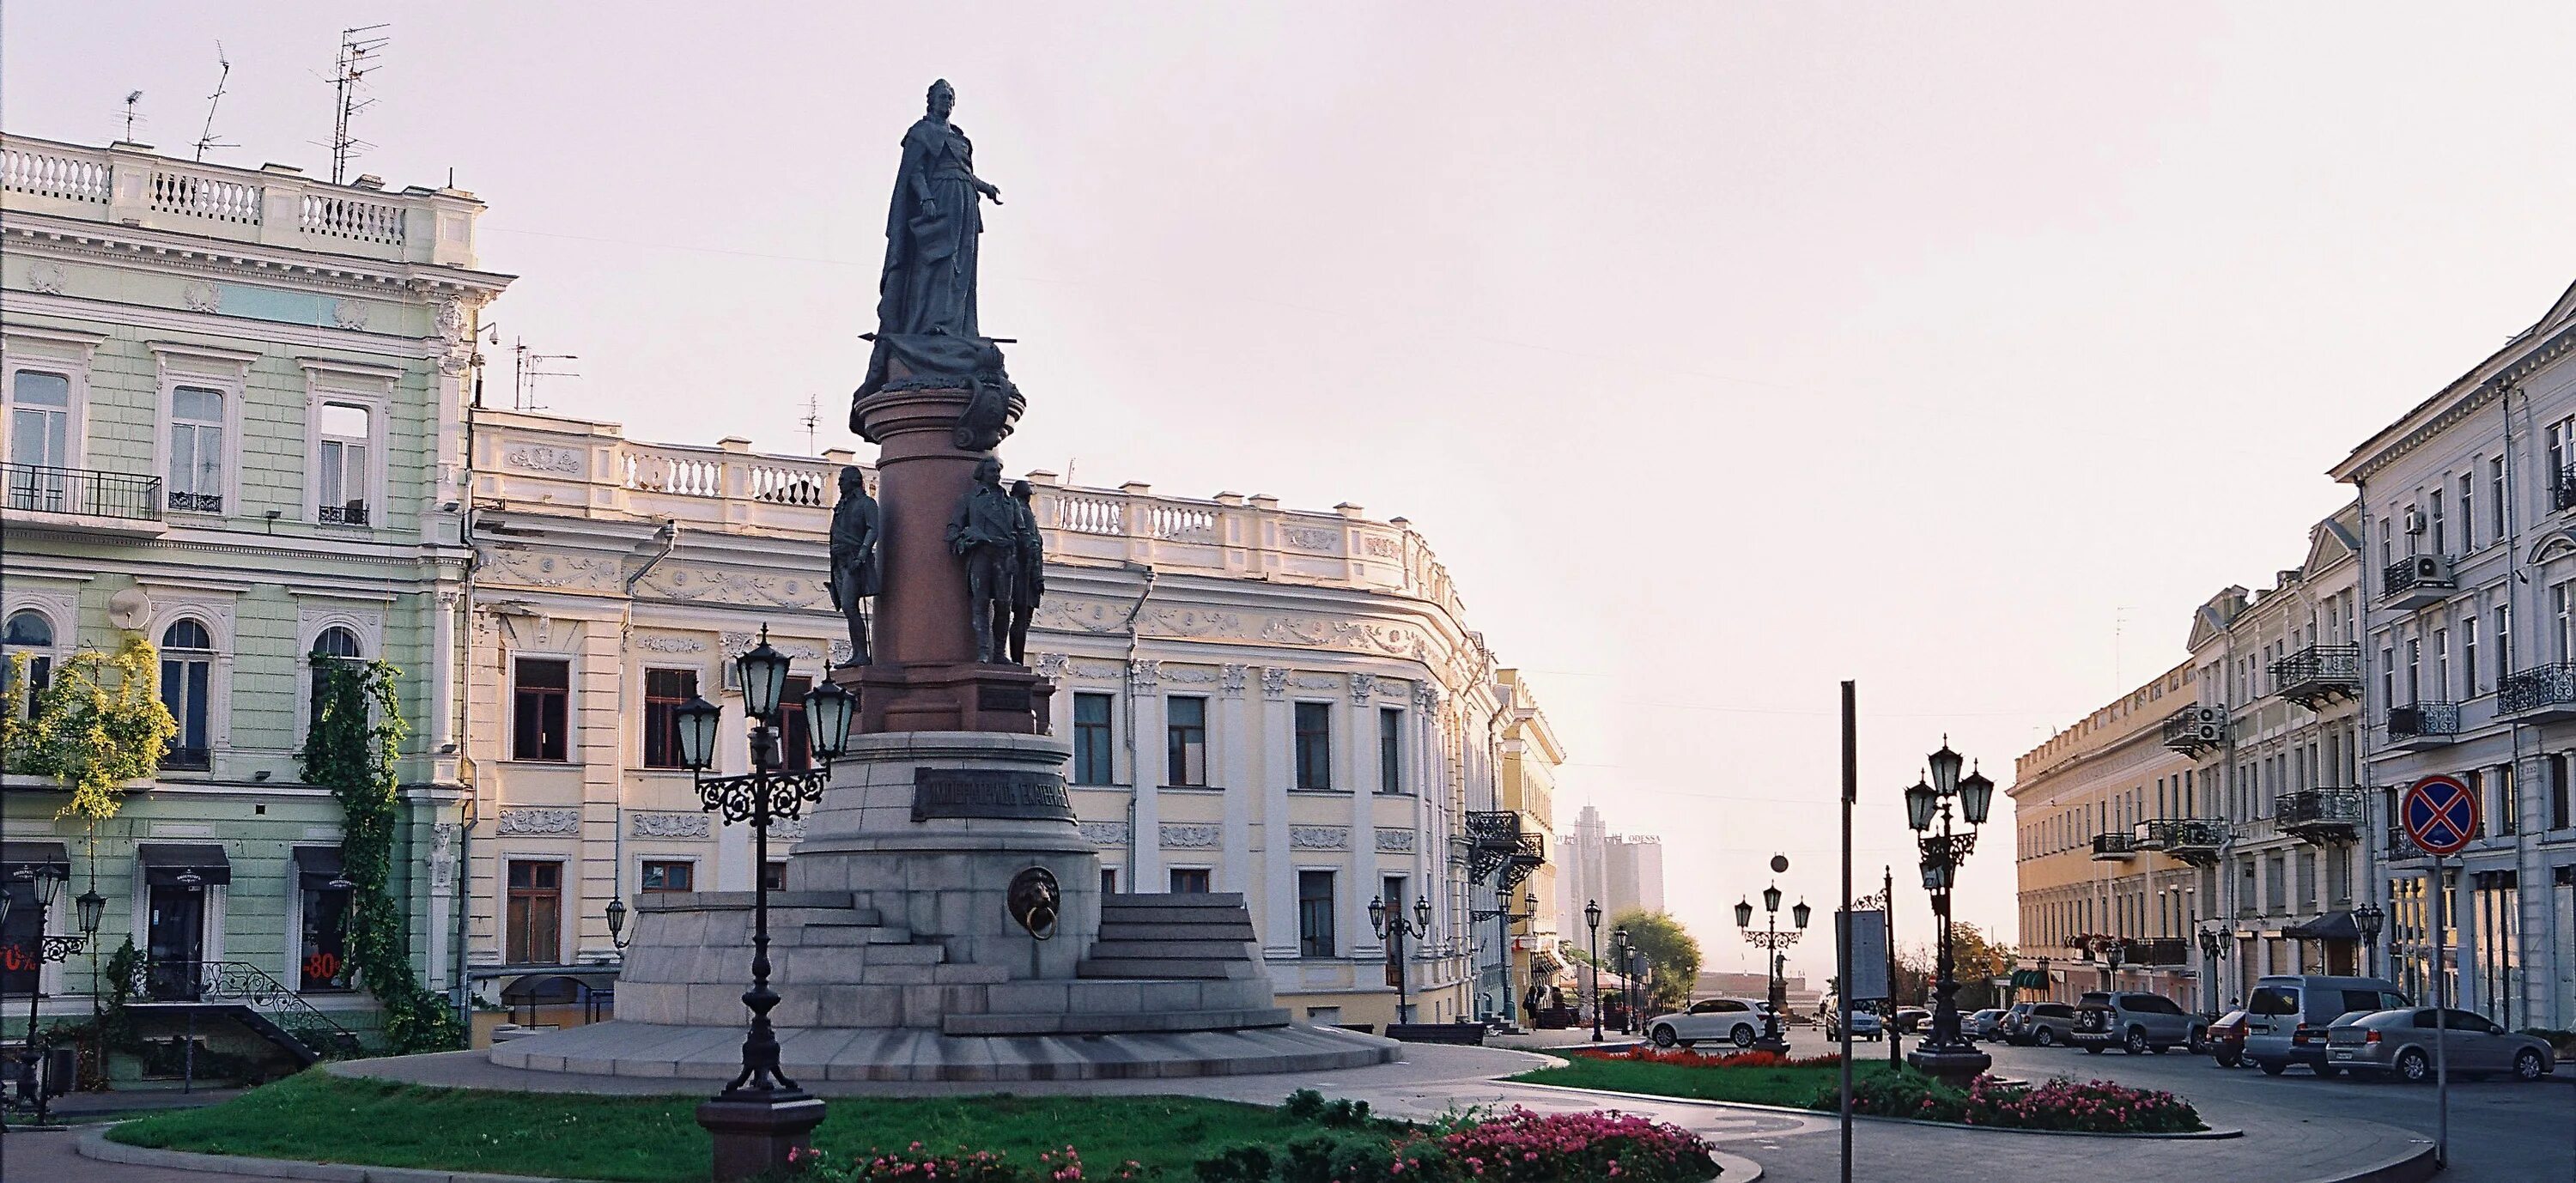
<point>1671,952</point>
<point>355,738</point>
<point>1975,958</point>
<point>96,725</point>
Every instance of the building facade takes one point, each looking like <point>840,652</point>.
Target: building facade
<point>1279,703</point>
<point>2082,803</point>
<point>2467,505</point>
<point>1531,754</point>
<point>235,430</point>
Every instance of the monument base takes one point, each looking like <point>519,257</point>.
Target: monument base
<point>820,1058</point>
<point>757,1139</point>
<point>1954,1067</point>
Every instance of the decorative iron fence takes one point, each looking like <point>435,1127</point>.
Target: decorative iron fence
<point>37,488</point>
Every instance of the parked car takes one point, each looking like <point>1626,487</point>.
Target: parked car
<point>1739,1021</point>
<point>2286,1016</point>
<point>1910,1019</point>
<point>1987,1023</point>
<point>2226,1039</point>
<point>2047,1024</point>
<point>2400,1043</point>
<point>1865,1022</point>
<point>2134,1021</point>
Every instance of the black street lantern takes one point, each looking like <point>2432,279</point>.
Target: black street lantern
<point>1592,921</point>
<point>1771,898</point>
<point>1743,913</point>
<point>761,1107</point>
<point>2368,918</point>
<point>617,922</point>
<point>1802,913</point>
<point>90,909</point>
<point>1771,940</point>
<point>45,882</point>
<point>1948,1054</point>
<point>1392,927</point>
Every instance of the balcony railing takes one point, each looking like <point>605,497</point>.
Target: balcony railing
<point>196,502</point>
<point>2114,846</point>
<point>2193,730</point>
<point>2159,951</point>
<point>2417,580</point>
<point>2402,845</point>
<point>187,759</point>
<point>2321,816</point>
<point>2424,724</point>
<point>81,492</point>
<point>2191,839</point>
<point>2562,489</point>
<point>2547,688</point>
<point>352,514</point>
<point>2318,674</point>
<point>1496,843</point>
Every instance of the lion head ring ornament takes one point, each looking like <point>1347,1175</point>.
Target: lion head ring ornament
<point>1035,901</point>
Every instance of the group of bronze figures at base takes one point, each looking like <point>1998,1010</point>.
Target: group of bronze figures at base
<point>995,532</point>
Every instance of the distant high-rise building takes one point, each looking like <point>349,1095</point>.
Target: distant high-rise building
<point>1582,873</point>
<point>1634,866</point>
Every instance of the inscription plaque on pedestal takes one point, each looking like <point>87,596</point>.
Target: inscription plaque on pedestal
<point>989,792</point>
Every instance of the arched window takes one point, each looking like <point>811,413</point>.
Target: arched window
<point>30,629</point>
<point>336,643</point>
<point>187,686</point>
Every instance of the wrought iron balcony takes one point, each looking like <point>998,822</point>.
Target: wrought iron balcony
<point>2540,694</point>
<point>2417,580</point>
<point>2194,840</point>
<point>81,492</point>
<point>351,514</point>
<point>2402,846</point>
<point>2193,730</point>
<point>2159,951</point>
<point>1496,843</point>
<point>2318,674</point>
<point>2562,489</point>
<point>2423,725</point>
<point>2320,816</point>
<point>2114,847</point>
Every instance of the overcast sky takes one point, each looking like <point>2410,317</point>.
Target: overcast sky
<point>1722,351</point>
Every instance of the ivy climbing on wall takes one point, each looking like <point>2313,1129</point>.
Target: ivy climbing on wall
<point>97,724</point>
<point>351,749</point>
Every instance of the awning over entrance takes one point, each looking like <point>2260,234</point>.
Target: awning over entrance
<point>2030,979</point>
<point>319,866</point>
<point>14,855</point>
<point>165,862</point>
<point>2333,926</point>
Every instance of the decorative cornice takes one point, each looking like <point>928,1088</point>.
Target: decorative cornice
<point>345,273</point>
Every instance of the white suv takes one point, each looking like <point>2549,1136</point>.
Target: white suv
<point>1739,1021</point>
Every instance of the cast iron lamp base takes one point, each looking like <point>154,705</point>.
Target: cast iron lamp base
<point>1954,1066</point>
<point>754,1136</point>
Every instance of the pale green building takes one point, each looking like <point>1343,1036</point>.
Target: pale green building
<point>236,424</point>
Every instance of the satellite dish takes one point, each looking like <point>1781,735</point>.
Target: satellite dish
<point>1779,863</point>
<point>130,609</point>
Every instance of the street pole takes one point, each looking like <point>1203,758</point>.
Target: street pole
<point>1842,939</point>
<point>1887,1017</point>
<point>1592,917</point>
<point>2441,1017</point>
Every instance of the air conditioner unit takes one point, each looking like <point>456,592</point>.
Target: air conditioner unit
<point>2432,569</point>
<point>2414,520</point>
<point>2206,716</point>
<point>2207,732</point>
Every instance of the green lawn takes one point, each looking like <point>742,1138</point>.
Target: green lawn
<point>319,1117</point>
<point>1791,1087</point>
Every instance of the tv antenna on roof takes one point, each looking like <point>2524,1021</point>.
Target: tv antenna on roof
<point>356,61</point>
<point>131,99</point>
<point>813,419</point>
<point>526,367</point>
<point>206,139</point>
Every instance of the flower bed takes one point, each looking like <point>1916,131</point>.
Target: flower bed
<point>916,1165</point>
<point>2092,1107</point>
<point>1682,1058</point>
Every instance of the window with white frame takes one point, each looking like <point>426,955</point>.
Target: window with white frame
<point>2469,509</point>
<point>30,633</point>
<point>2469,654</point>
<point>40,440</point>
<point>342,484</point>
<point>187,691</point>
<point>195,483</point>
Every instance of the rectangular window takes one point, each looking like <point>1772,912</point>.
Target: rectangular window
<point>40,426</point>
<point>2495,497</point>
<point>1390,750</point>
<point>2441,665</point>
<point>2558,599</point>
<point>1185,746</point>
<point>186,690</point>
<point>196,481</point>
<point>1314,745</point>
<point>2469,509</point>
<point>2469,654</point>
<point>1189,881</point>
<point>535,914</point>
<point>1108,880</point>
<point>346,433</point>
<point>2558,793</point>
<point>2506,805</point>
<point>2504,639</point>
<point>665,692</point>
<point>322,961</point>
<point>795,736</point>
<point>2438,523</point>
<point>1314,913</point>
<point>540,709</point>
<point>1091,740</point>
<point>668,875</point>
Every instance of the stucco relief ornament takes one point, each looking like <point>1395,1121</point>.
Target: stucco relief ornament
<point>451,320</point>
<point>1426,696</point>
<point>1105,833</point>
<point>542,459</point>
<point>1189,837</point>
<point>1307,537</point>
<point>1395,841</point>
<point>1144,675</point>
<point>1078,616</point>
<point>349,314</point>
<point>1319,837</point>
<point>48,278</point>
<point>1054,667</point>
<point>669,825</point>
<point>671,644</point>
<point>532,820</point>
<point>200,296</point>
<point>787,829</point>
<point>1274,682</point>
<point>1363,687</point>
<point>1229,680</point>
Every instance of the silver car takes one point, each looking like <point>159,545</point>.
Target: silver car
<point>2400,1043</point>
<point>1986,1025</point>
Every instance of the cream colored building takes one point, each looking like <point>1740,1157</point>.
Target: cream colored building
<point>2111,844</point>
<point>1531,754</point>
<point>1280,703</point>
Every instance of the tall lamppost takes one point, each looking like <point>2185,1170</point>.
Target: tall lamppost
<point>2212,943</point>
<point>1771,941</point>
<point>1392,927</point>
<point>1592,920</point>
<point>1947,1054</point>
<point>2368,918</point>
<point>762,1115</point>
<point>46,881</point>
<point>2113,950</point>
<point>1619,947</point>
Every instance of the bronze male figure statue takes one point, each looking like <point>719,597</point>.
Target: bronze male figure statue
<point>985,532</point>
<point>854,580</point>
<point>1030,586</point>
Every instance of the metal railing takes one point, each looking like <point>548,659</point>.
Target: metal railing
<point>2114,845</point>
<point>351,514</point>
<point>2181,836</point>
<point>2158,951</point>
<point>2423,720</point>
<point>187,759</point>
<point>2401,845</point>
<point>38,488</point>
<point>240,983</point>
<point>2193,730</point>
<point>2322,813</point>
<point>2541,686</point>
<point>2318,671</point>
<point>2562,489</point>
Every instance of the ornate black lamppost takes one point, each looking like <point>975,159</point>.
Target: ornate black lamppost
<point>1592,920</point>
<point>1947,1054</point>
<point>46,880</point>
<point>2368,918</point>
<point>1771,941</point>
<point>1619,948</point>
<point>762,1115</point>
<point>1393,927</point>
<point>2213,944</point>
